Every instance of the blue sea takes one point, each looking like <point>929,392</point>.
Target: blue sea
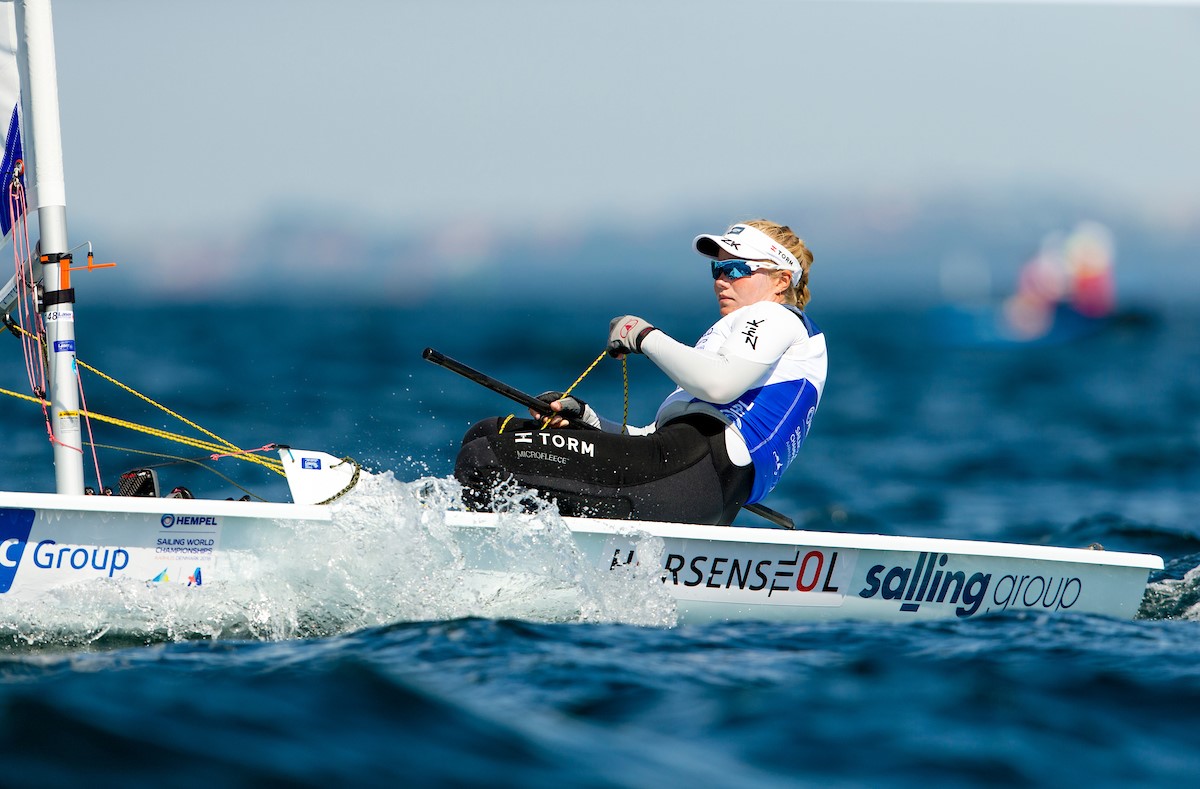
<point>363,662</point>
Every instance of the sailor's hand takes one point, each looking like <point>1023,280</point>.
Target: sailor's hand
<point>567,408</point>
<point>625,335</point>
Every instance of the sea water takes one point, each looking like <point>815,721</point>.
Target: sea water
<point>360,653</point>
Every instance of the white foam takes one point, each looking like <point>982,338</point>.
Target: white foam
<point>387,556</point>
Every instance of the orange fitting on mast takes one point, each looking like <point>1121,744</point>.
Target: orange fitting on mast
<point>65,268</point>
<point>64,271</point>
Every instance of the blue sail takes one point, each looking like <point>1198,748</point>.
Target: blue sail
<point>10,99</point>
<point>12,155</point>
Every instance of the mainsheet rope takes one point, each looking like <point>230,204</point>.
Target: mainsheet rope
<point>584,374</point>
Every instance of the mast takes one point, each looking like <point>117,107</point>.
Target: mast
<point>47,193</point>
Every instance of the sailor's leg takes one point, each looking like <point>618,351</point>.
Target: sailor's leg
<point>679,473</point>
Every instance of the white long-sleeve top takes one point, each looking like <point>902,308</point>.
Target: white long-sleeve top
<point>761,370</point>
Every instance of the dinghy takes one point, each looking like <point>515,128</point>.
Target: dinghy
<point>717,573</point>
<point>69,539</point>
<point>49,540</point>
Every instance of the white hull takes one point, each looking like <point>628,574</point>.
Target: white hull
<point>729,573</point>
<point>51,541</point>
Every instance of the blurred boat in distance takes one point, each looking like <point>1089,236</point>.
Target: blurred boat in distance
<point>1064,293</point>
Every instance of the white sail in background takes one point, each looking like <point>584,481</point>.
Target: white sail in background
<point>10,111</point>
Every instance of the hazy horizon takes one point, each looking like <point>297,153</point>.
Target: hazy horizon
<point>207,117</point>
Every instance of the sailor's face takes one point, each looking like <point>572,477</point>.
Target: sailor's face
<point>760,285</point>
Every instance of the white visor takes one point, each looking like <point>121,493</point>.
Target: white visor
<point>750,243</point>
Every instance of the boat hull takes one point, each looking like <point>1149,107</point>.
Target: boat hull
<point>732,573</point>
<point>49,541</point>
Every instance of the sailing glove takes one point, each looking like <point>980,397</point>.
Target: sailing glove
<point>625,335</point>
<point>572,409</point>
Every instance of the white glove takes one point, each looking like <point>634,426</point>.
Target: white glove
<point>625,335</point>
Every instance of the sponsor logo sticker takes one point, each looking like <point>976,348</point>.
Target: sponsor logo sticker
<point>554,439</point>
<point>794,576</point>
<point>934,579</point>
<point>169,520</point>
<point>15,525</point>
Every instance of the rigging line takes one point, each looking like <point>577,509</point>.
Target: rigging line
<point>180,459</point>
<point>240,452</point>
<point>350,486</point>
<point>88,422</point>
<point>584,374</point>
<point>31,344</point>
<point>272,464</point>
<point>195,443</point>
<point>625,383</point>
<point>135,393</point>
<point>30,398</point>
<point>248,455</point>
<point>44,404</point>
<point>22,256</point>
<point>161,407</point>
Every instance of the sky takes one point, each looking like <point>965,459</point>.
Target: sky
<point>204,117</point>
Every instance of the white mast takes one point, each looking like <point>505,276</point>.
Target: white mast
<point>48,195</point>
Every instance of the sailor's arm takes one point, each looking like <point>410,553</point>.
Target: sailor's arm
<point>719,377</point>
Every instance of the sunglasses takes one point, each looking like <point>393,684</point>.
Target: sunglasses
<point>736,269</point>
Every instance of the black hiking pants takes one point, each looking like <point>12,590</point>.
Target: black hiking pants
<point>681,473</point>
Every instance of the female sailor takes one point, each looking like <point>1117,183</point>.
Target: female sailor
<point>745,398</point>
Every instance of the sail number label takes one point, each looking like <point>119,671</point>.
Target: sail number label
<point>65,316</point>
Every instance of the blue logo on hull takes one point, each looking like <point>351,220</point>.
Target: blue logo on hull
<point>15,525</point>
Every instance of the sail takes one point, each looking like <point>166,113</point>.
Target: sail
<point>10,113</point>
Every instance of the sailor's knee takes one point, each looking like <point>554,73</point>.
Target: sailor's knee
<point>481,429</point>
<point>479,472</point>
<point>474,459</point>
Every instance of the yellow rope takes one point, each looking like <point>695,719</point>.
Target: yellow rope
<point>195,443</point>
<point>223,447</point>
<point>584,374</point>
<point>135,393</point>
<point>350,486</point>
<point>271,463</point>
<point>178,459</point>
<point>625,381</point>
<point>20,396</point>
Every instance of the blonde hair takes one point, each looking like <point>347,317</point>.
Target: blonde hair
<point>795,294</point>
